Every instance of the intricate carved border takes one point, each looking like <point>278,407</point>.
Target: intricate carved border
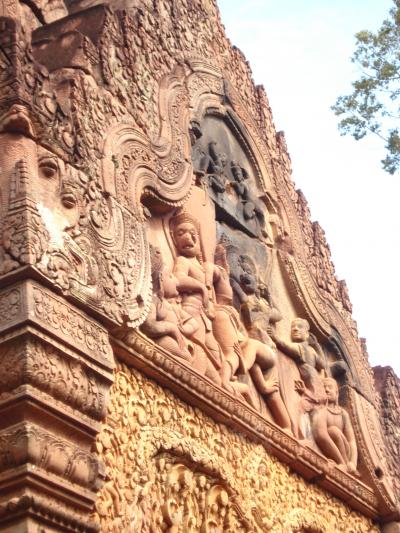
<point>221,405</point>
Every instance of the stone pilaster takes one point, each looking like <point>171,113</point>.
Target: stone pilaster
<point>56,371</point>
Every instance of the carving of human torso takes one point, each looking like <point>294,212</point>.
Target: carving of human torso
<point>255,310</point>
<point>239,185</point>
<point>335,417</point>
<point>195,281</point>
<point>201,272</point>
<point>309,362</point>
<point>333,430</point>
<point>169,306</point>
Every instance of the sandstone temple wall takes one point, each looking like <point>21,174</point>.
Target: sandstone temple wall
<point>177,352</point>
<point>170,465</point>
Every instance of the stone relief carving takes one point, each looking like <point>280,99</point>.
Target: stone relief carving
<point>63,223</point>
<point>47,368</point>
<point>306,352</point>
<point>87,156</point>
<point>181,473</point>
<point>388,388</point>
<point>194,318</point>
<point>244,353</point>
<point>322,419</point>
<point>196,279</point>
<point>333,430</point>
<point>25,443</point>
<point>230,184</point>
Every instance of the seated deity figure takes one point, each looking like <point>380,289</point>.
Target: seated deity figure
<point>253,208</point>
<point>243,353</point>
<point>307,354</point>
<point>216,168</point>
<point>333,431</point>
<point>169,325</point>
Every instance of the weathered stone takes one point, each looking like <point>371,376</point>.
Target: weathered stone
<point>151,235</point>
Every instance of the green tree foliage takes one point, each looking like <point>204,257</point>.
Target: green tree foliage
<point>374,105</point>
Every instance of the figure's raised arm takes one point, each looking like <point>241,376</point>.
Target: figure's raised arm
<point>292,349</point>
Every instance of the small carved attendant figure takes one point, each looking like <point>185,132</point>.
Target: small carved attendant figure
<point>252,207</point>
<point>167,322</point>
<point>333,431</point>
<point>212,164</point>
<point>307,353</point>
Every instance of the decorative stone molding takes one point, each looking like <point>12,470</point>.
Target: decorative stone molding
<point>56,371</point>
<point>143,355</point>
<point>183,469</point>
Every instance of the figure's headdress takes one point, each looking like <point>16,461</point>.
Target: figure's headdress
<point>247,261</point>
<point>303,321</point>
<point>330,380</point>
<point>235,167</point>
<point>181,218</point>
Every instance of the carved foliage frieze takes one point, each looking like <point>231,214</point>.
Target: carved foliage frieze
<point>26,443</point>
<point>169,466</point>
<point>111,94</point>
<point>29,301</point>
<point>62,223</point>
<point>32,361</point>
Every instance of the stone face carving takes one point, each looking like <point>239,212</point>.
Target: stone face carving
<point>63,223</point>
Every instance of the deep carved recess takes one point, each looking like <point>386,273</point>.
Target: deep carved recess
<point>146,197</point>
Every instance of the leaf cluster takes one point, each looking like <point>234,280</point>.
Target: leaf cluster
<point>374,104</point>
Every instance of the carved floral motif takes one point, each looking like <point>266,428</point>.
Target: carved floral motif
<point>64,318</point>
<point>96,109</point>
<point>168,465</point>
<point>48,369</point>
<point>25,443</point>
<point>388,387</point>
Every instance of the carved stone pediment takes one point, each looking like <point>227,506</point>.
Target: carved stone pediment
<point>148,216</point>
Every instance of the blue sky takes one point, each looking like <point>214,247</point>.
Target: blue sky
<point>300,51</point>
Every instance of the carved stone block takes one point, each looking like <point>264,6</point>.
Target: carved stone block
<point>56,371</point>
